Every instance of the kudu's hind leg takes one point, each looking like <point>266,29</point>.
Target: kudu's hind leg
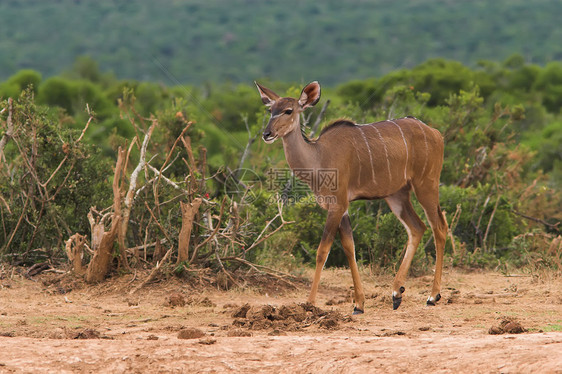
<point>436,218</point>
<point>401,206</point>
<point>332,225</point>
<point>346,237</point>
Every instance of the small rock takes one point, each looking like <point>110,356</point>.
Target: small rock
<point>207,341</point>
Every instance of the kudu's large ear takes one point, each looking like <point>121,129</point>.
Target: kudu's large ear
<point>268,97</point>
<point>310,95</point>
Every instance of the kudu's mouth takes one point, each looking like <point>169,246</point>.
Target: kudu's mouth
<point>269,139</point>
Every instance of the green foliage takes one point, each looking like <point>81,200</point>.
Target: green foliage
<point>477,210</point>
<point>388,241</point>
<point>549,82</point>
<point>203,41</point>
<point>48,182</point>
<point>549,141</point>
<point>535,251</point>
<point>57,91</point>
<point>25,78</point>
<point>502,158</point>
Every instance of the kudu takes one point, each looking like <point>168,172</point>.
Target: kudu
<point>386,159</point>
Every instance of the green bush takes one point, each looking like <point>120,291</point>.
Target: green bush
<point>48,185</point>
<point>26,78</point>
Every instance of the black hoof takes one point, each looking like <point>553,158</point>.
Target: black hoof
<point>356,311</point>
<point>396,302</point>
<point>432,302</point>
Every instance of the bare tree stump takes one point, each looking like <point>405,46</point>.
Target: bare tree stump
<point>188,212</point>
<point>103,248</point>
<point>75,252</point>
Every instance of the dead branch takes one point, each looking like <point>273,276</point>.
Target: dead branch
<point>164,231</point>
<point>144,246</point>
<point>538,220</point>
<point>453,225</point>
<point>159,174</point>
<point>180,137</point>
<point>491,217</point>
<point>226,272</point>
<point>67,153</point>
<point>191,164</point>
<point>266,270</point>
<point>261,237</point>
<point>37,269</point>
<point>134,142</point>
<point>154,272</point>
<point>9,130</point>
<point>188,212</point>
<point>232,226</point>
<point>130,194</point>
<point>246,153</point>
<point>202,166</point>
<point>20,219</point>
<point>90,119</point>
<point>2,200</point>
<point>168,157</point>
<point>204,242</point>
<point>319,119</point>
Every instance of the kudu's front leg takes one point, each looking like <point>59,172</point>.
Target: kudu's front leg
<point>332,225</point>
<point>346,237</point>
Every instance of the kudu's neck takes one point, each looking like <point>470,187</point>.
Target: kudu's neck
<point>299,153</point>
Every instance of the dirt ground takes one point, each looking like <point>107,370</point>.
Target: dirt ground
<point>486,322</point>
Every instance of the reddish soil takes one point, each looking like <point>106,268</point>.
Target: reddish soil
<point>485,322</point>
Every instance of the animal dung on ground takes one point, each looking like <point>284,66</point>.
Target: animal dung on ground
<point>176,299</point>
<point>289,317</point>
<point>190,333</point>
<point>507,326</point>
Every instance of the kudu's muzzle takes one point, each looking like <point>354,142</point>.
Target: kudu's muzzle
<point>267,136</point>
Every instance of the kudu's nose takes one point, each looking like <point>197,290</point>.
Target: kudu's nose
<point>266,134</point>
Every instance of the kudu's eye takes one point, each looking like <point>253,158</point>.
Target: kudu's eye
<point>288,111</point>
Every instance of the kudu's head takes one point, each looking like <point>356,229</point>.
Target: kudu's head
<point>285,111</point>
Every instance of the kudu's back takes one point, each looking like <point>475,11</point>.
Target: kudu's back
<point>376,160</point>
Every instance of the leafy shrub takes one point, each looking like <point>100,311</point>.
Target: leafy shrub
<point>48,183</point>
<point>26,78</point>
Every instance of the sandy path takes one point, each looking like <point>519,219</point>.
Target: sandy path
<point>531,353</point>
<point>39,325</point>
